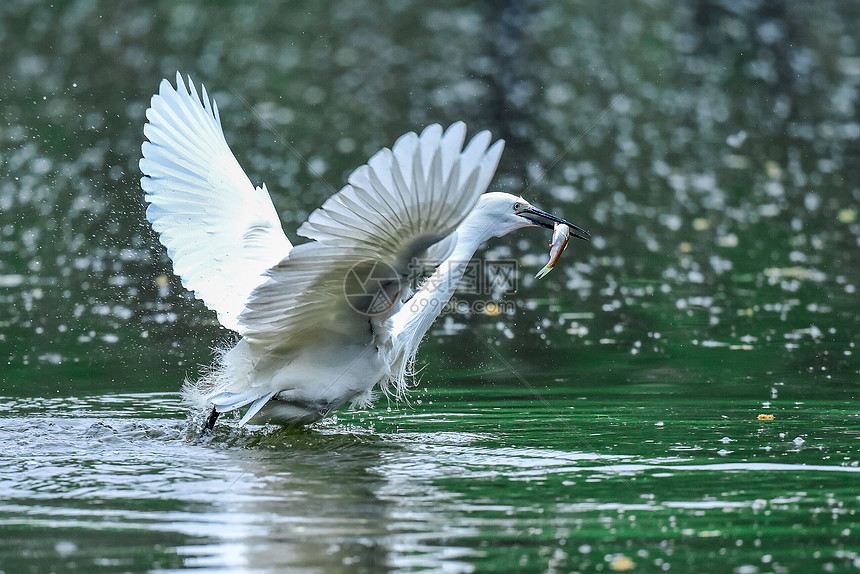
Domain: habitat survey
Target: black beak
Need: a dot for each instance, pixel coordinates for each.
(544, 219)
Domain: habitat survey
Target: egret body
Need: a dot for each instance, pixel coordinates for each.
(324, 322)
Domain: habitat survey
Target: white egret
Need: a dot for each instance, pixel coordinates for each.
(324, 322)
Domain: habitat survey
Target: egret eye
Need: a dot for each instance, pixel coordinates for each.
(517, 206)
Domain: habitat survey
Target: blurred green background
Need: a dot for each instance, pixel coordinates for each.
(711, 148)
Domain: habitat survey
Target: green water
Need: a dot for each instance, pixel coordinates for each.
(617, 419)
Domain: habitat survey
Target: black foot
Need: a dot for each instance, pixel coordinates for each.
(210, 421)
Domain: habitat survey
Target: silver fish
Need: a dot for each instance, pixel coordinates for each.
(560, 237)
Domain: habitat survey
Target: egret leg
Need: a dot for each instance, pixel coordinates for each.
(210, 421)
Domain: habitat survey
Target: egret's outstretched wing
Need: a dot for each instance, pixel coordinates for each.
(221, 232)
(409, 197)
(398, 207)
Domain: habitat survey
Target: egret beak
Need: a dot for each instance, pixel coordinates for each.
(544, 219)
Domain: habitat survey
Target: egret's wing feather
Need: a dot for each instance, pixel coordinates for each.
(221, 232)
(409, 197)
(227, 401)
(402, 207)
(319, 291)
(255, 408)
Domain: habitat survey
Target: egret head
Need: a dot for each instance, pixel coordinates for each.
(506, 213)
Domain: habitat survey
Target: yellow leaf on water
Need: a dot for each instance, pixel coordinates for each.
(701, 224)
(847, 215)
(622, 564)
(491, 309)
(773, 170)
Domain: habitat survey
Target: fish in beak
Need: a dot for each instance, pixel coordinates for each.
(560, 237)
(561, 232)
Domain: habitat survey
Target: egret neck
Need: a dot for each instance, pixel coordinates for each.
(411, 323)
